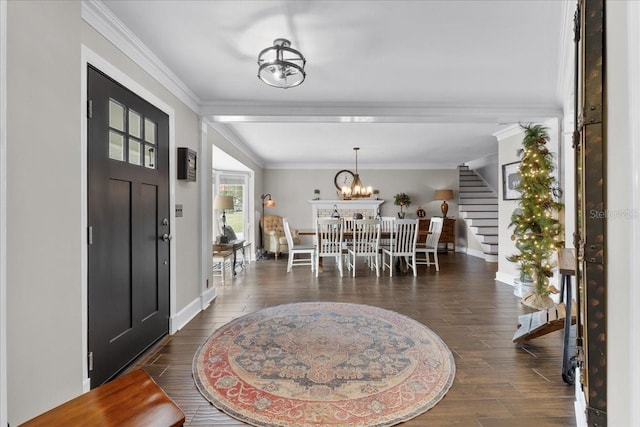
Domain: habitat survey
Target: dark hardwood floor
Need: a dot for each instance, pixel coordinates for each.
(497, 383)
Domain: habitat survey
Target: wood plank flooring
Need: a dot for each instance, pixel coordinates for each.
(497, 383)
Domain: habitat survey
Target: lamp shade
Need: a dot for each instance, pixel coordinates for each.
(267, 201)
(443, 195)
(223, 202)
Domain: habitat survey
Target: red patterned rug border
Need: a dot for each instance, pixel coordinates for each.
(231, 330)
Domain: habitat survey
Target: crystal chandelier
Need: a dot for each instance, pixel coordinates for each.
(281, 65)
(357, 189)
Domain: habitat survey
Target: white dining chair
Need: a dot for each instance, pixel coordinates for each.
(329, 241)
(365, 243)
(403, 244)
(430, 246)
(295, 250)
(386, 227)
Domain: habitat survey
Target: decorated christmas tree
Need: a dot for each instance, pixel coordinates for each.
(536, 229)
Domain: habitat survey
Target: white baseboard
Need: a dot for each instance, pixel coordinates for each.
(86, 385)
(192, 309)
(505, 278)
(479, 254)
(208, 296)
(580, 404)
(184, 316)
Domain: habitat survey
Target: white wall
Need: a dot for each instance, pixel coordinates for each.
(623, 328)
(509, 142)
(488, 168)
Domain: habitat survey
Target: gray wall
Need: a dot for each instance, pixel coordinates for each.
(46, 337)
(44, 238)
(292, 189)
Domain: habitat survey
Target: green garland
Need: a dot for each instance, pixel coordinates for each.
(536, 231)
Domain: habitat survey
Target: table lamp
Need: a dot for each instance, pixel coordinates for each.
(444, 195)
(223, 203)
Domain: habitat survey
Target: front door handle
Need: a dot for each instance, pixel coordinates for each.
(166, 237)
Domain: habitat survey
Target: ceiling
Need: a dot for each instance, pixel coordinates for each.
(414, 84)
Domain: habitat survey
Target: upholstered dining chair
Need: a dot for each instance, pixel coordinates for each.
(296, 249)
(430, 246)
(365, 243)
(329, 240)
(403, 244)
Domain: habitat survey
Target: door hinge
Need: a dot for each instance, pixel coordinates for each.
(90, 359)
(577, 139)
(592, 114)
(90, 235)
(89, 109)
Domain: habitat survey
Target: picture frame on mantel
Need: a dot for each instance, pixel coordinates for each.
(510, 181)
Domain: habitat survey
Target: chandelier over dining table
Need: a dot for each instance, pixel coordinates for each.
(357, 190)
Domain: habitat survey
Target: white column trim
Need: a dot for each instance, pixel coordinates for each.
(88, 56)
(207, 294)
(3, 213)
(633, 21)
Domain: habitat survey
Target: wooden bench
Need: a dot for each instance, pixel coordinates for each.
(133, 399)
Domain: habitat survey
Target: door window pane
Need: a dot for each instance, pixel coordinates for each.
(135, 124)
(149, 131)
(116, 115)
(116, 146)
(135, 152)
(150, 157)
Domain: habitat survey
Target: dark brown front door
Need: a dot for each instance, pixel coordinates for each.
(128, 215)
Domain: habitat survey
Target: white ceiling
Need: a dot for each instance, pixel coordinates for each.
(413, 83)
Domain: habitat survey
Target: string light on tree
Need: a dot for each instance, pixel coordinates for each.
(536, 231)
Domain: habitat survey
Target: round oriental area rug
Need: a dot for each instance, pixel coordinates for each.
(323, 364)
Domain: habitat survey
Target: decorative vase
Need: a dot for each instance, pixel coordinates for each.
(401, 215)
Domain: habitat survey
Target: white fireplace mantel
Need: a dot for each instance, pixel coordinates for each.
(346, 208)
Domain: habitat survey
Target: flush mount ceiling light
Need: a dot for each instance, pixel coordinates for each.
(281, 65)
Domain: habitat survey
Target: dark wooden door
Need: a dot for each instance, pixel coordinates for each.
(128, 215)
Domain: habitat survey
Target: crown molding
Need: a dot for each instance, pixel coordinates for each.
(507, 132)
(235, 140)
(98, 16)
(564, 89)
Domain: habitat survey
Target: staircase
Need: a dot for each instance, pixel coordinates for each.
(478, 206)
